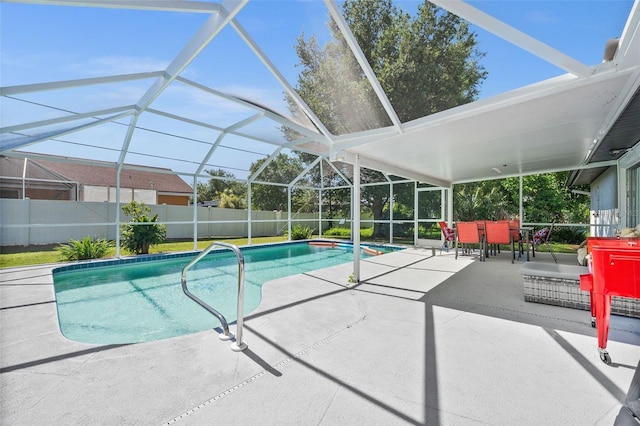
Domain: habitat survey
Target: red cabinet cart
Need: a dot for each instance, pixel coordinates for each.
(615, 271)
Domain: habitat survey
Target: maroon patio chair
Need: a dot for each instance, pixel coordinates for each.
(543, 236)
(449, 236)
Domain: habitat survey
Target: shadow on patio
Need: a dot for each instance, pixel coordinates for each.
(421, 340)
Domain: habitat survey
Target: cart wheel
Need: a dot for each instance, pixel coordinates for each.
(593, 322)
(604, 356)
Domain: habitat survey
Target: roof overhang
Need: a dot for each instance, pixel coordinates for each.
(549, 126)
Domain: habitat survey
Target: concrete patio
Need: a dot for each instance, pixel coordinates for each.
(421, 340)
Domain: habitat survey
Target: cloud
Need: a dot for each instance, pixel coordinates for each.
(114, 65)
(204, 104)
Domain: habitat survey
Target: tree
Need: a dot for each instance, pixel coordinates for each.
(481, 200)
(282, 169)
(223, 186)
(138, 238)
(545, 199)
(230, 200)
(425, 64)
(335, 201)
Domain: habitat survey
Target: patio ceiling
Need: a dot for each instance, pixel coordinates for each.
(552, 126)
(561, 123)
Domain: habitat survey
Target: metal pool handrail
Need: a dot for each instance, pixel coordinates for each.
(238, 345)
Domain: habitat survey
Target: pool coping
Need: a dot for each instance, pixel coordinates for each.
(98, 263)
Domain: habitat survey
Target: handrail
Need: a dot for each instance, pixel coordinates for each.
(238, 345)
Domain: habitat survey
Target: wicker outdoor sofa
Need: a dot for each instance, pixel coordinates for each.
(559, 285)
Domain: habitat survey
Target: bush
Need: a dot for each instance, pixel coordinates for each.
(85, 249)
(568, 235)
(337, 232)
(300, 232)
(365, 233)
(138, 238)
(430, 231)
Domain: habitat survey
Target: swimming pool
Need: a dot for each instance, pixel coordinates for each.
(141, 299)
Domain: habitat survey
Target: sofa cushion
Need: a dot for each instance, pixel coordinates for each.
(554, 270)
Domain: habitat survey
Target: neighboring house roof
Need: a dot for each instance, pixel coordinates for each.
(159, 179)
(14, 168)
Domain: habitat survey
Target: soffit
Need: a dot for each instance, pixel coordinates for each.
(548, 127)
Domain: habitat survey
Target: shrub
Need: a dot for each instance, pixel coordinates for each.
(300, 232)
(337, 232)
(85, 249)
(568, 235)
(366, 232)
(138, 238)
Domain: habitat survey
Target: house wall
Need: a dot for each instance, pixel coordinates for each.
(91, 193)
(108, 193)
(629, 187)
(33, 222)
(174, 200)
(605, 217)
(147, 196)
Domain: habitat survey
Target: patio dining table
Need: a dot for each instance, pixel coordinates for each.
(525, 231)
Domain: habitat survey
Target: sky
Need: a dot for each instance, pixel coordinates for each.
(49, 43)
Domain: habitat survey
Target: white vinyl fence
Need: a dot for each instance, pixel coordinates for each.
(32, 222)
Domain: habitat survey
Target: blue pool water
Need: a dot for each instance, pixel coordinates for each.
(143, 300)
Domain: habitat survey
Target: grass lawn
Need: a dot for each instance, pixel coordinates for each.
(39, 255)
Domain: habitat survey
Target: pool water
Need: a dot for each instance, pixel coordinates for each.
(144, 301)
